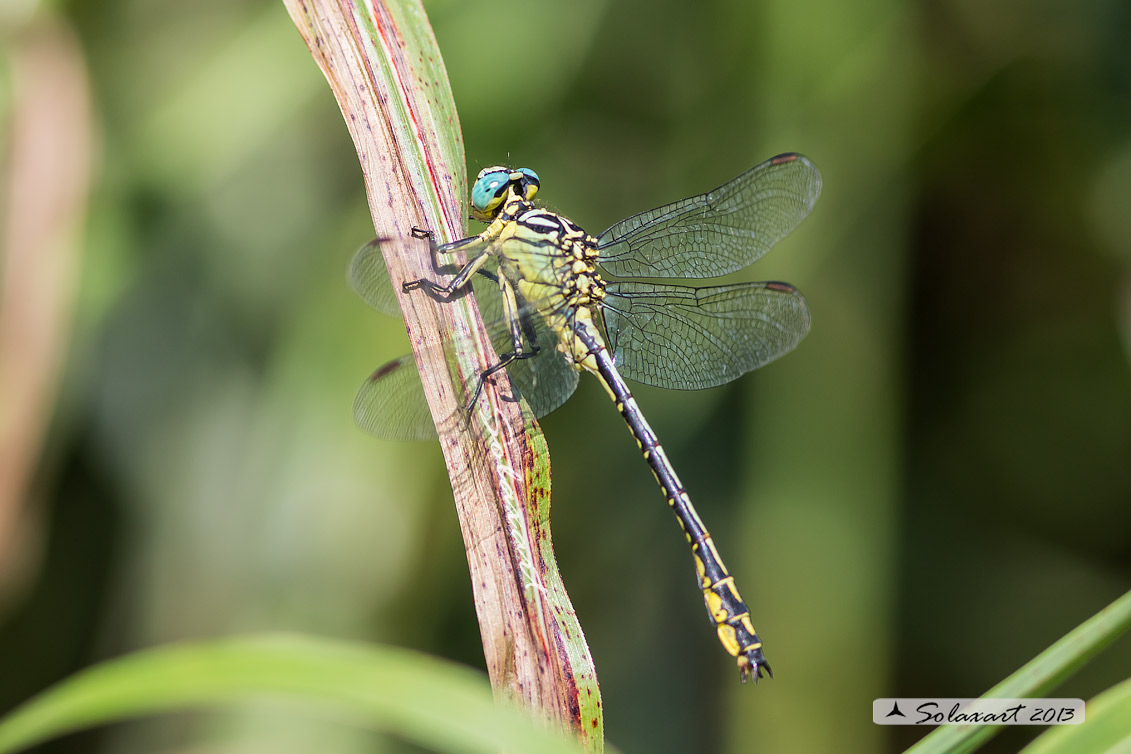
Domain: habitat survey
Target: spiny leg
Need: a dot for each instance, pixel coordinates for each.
(518, 325)
(445, 292)
(436, 250)
(459, 283)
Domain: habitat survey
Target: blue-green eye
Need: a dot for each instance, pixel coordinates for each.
(487, 189)
(527, 182)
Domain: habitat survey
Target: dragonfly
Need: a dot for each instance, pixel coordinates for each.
(560, 302)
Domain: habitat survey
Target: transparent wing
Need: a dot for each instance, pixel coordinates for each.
(718, 232)
(684, 338)
(391, 404)
(368, 275)
(546, 380)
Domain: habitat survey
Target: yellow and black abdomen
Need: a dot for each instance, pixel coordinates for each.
(727, 609)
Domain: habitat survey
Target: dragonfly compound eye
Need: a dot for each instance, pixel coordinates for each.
(528, 182)
(490, 188)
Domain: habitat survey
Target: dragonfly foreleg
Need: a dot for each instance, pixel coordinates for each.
(445, 293)
(437, 250)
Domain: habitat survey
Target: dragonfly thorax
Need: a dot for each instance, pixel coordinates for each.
(556, 254)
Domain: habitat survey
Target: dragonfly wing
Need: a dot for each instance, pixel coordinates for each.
(391, 403)
(684, 338)
(546, 380)
(368, 276)
(718, 232)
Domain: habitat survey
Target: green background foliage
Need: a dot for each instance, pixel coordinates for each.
(931, 490)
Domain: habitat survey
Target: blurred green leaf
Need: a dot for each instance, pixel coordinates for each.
(1106, 728)
(417, 697)
(1038, 676)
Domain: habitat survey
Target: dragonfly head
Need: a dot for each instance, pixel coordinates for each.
(494, 187)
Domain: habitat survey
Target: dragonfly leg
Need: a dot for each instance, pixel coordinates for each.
(433, 249)
(519, 325)
(455, 245)
(445, 293)
(439, 249)
(505, 360)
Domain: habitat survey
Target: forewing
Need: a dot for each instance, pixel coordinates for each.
(368, 275)
(718, 232)
(391, 403)
(684, 338)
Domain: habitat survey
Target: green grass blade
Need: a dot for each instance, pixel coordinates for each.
(1106, 728)
(1037, 677)
(416, 697)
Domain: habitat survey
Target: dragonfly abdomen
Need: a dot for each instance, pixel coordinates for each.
(725, 606)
